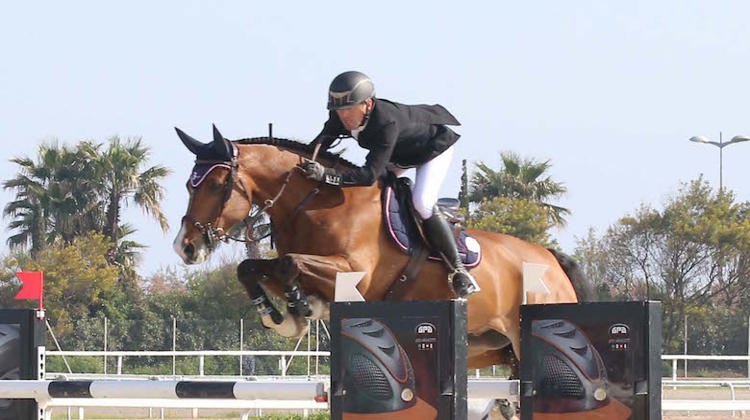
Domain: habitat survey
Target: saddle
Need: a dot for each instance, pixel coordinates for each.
(403, 227)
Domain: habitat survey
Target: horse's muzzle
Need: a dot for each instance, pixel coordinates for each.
(192, 250)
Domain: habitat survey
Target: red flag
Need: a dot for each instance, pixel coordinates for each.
(33, 285)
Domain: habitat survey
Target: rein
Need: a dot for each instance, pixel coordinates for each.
(250, 220)
(212, 235)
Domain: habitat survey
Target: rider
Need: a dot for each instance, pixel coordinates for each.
(398, 137)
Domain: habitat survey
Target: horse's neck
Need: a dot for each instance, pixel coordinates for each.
(270, 167)
(302, 206)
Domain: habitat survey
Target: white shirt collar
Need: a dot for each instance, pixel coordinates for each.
(356, 131)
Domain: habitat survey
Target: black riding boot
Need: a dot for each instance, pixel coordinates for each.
(439, 236)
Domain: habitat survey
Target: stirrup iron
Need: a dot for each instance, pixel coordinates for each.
(463, 290)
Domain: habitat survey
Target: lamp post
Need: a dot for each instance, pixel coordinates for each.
(721, 145)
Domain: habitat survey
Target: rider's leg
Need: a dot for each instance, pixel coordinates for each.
(428, 180)
(440, 237)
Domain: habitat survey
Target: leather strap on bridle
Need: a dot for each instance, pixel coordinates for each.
(213, 235)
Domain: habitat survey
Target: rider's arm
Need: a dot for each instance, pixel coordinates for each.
(332, 130)
(375, 162)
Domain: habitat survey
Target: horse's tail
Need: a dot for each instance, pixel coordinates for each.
(583, 287)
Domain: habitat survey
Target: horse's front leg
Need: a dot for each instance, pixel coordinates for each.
(252, 274)
(306, 281)
(309, 282)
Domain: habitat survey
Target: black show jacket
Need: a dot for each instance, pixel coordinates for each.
(403, 135)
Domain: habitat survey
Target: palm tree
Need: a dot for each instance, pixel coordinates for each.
(519, 178)
(119, 179)
(30, 222)
(126, 253)
(70, 192)
(30, 209)
(49, 204)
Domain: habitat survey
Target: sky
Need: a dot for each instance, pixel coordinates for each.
(608, 92)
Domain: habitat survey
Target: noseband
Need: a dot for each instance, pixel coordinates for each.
(212, 234)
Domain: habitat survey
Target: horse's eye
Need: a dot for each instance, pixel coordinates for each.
(216, 186)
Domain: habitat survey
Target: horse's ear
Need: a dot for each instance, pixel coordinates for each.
(222, 146)
(192, 144)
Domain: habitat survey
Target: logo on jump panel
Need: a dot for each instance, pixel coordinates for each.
(619, 337)
(425, 336)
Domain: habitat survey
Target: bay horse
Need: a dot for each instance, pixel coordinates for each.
(320, 230)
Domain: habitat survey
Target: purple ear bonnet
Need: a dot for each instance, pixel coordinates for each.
(201, 171)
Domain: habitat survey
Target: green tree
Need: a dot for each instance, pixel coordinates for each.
(68, 192)
(592, 257)
(206, 287)
(78, 281)
(513, 216)
(119, 177)
(50, 204)
(692, 255)
(126, 253)
(519, 178)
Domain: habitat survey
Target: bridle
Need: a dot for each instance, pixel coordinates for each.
(212, 235)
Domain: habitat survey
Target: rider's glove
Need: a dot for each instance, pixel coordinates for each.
(312, 170)
(315, 171)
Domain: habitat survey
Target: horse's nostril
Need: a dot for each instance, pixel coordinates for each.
(189, 250)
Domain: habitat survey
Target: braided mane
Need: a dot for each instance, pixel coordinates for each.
(297, 148)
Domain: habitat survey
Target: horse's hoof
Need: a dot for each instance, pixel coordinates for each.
(507, 410)
(305, 312)
(291, 327)
(297, 303)
(299, 308)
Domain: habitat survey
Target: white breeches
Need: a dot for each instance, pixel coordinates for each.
(427, 182)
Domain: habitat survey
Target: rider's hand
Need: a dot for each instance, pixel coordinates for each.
(312, 169)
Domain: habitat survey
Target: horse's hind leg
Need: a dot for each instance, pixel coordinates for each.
(501, 357)
(505, 357)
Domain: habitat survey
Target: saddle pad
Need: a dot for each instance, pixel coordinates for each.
(402, 229)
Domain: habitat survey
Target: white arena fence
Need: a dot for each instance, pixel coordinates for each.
(285, 358)
(685, 358)
(311, 357)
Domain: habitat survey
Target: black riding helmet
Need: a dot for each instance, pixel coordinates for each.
(570, 379)
(379, 376)
(350, 88)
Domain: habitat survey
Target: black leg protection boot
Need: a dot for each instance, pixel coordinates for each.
(439, 236)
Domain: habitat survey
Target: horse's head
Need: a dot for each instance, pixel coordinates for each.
(219, 198)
